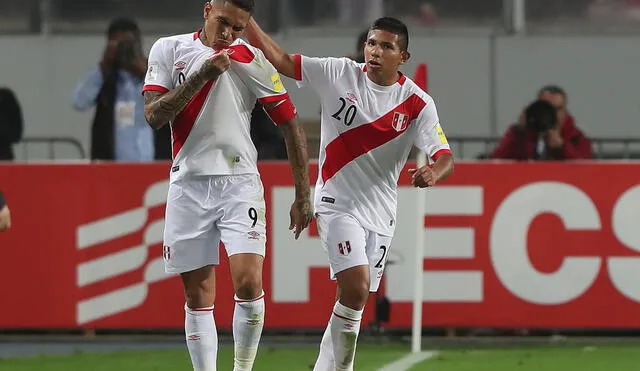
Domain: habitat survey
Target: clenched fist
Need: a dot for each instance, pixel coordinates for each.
(423, 177)
(215, 66)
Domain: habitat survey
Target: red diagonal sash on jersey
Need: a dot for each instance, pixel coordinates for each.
(183, 123)
(354, 143)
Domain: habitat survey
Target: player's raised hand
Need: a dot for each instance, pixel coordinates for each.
(423, 177)
(216, 65)
(301, 214)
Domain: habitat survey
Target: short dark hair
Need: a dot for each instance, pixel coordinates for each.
(553, 89)
(395, 26)
(122, 25)
(540, 116)
(247, 5)
(362, 40)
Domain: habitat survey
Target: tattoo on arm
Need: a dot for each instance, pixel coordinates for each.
(160, 108)
(296, 142)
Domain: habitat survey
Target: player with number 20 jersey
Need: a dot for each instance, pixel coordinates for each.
(372, 115)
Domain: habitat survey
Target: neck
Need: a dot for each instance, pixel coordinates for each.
(203, 37)
(382, 79)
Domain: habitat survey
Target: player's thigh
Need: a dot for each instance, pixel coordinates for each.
(243, 226)
(377, 253)
(344, 240)
(190, 237)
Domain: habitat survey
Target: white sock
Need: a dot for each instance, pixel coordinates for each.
(345, 326)
(248, 320)
(202, 338)
(325, 361)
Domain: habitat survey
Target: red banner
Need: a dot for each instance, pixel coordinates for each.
(507, 245)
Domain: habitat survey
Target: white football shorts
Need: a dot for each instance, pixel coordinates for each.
(349, 245)
(206, 210)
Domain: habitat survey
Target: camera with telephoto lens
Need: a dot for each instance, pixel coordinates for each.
(540, 117)
(125, 53)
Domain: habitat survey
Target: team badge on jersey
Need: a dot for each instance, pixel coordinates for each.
(441, 136)
(277, 82)
(344, 248)
(400, 121)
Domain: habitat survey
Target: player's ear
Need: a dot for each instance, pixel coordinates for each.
(207, 9)
(405, 56)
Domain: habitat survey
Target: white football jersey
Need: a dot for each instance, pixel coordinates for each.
(211, 135)
(367, 133)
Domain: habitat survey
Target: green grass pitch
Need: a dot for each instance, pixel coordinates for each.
(369, 358)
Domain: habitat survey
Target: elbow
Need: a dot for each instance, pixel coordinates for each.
(152, 119)
(155, 124)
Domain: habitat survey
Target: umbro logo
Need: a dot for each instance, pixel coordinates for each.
(352, 98)
(180, 65)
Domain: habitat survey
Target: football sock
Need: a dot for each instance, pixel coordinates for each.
(202, 338)
(345, 326)
(248, 320)
(325, 361)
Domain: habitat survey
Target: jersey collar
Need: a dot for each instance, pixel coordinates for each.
(401, 80)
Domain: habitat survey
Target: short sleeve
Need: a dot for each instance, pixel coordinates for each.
(312, 71)
(260, 76)
(158, 77)
(430, 137)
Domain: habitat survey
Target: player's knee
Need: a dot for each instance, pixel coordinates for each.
(199, 288)
(355, 294)
(249, 286)
(198, 297)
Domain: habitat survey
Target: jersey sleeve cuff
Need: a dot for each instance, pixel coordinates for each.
(157, 88)
(440, 152)
(273, 98)
(297, 60)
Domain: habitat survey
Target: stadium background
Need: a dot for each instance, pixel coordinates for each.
(486, 60)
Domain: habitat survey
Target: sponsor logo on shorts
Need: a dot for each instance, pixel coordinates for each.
(344, 248)
(329, 200)
(253, 235)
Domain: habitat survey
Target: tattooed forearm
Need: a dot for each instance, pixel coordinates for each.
(296, 142)
(160, 108)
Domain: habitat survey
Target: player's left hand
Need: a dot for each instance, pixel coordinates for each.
(423, 177)
(301, 215)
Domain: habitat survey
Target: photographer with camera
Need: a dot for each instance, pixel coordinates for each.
(545, 131)
(120, 131)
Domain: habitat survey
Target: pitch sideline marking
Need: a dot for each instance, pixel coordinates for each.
(405, 363)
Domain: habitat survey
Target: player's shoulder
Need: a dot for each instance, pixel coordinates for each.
(413, 89)
(243, 52)
(175, 40)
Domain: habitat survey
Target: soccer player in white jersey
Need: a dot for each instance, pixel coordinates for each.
(372, 115)
(206, 84)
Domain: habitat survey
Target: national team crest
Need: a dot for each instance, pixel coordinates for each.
(400, 121)
(344, 248)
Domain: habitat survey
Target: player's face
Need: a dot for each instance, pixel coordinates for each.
(224, 23)
(559, 102)
(383, 53)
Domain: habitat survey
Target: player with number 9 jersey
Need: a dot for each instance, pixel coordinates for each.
(372, 116)
(205, 84)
